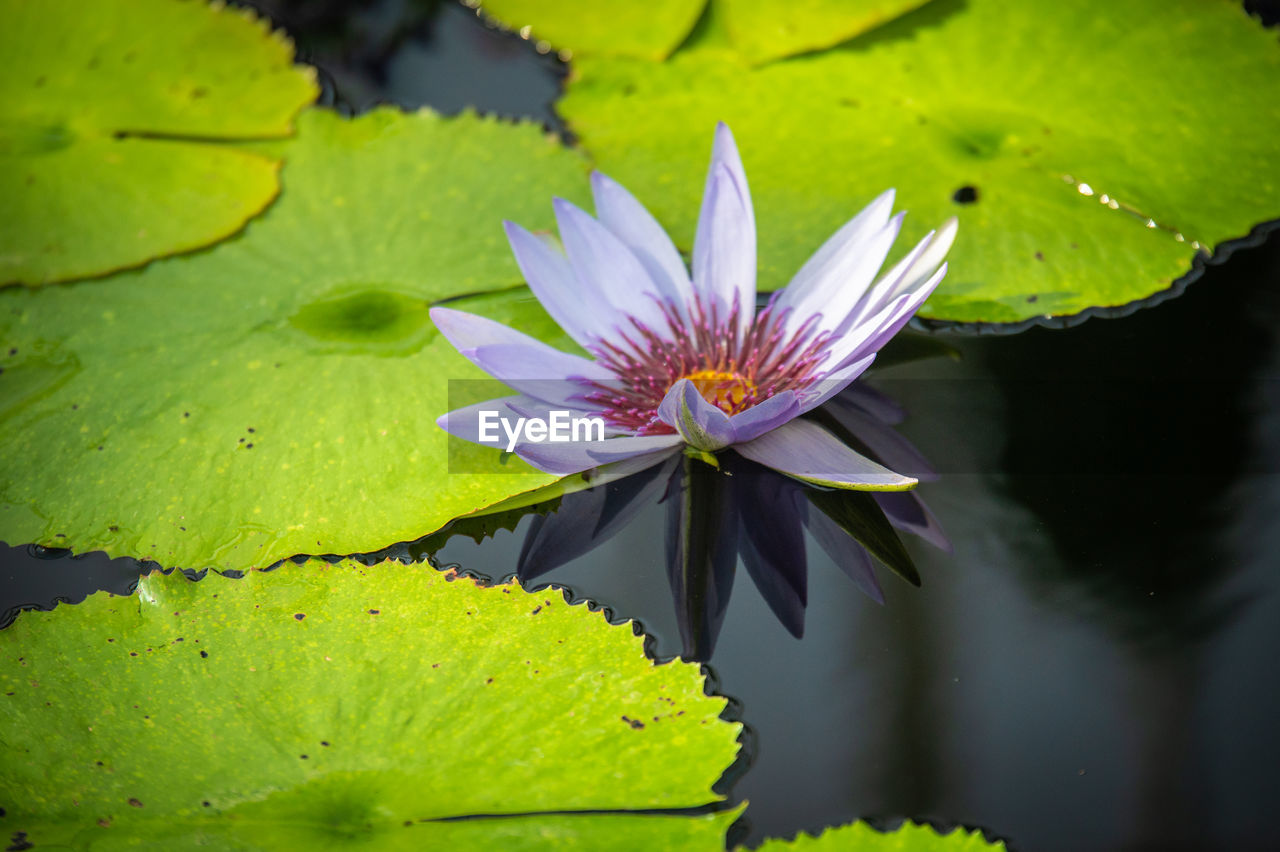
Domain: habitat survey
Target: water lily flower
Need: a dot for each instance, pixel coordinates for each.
(686, 362)
(746, 513)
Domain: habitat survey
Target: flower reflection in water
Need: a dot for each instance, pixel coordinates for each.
(741, 510)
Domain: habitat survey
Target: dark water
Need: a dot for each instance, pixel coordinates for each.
(1095, 665)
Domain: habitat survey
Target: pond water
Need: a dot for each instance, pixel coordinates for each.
(1092, 667)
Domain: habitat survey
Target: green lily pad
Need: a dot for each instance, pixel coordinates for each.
(278, 393)
(909, 838)
(324, 705)
(763, 30)
(650, 30)
(1088, 152)
(112, 119)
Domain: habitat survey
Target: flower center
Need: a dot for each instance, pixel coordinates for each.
(726, 391)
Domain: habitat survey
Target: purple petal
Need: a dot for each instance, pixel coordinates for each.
(584, 521)
(911, 275)
(907, 512)
(851, 557)
(550, 276)
(858, 273)
(833, 383)
(724, 248)
(888, 446)
(891, 284)
(630, 222)
(603, 263)
(770, 414)
(877, 331)
(701, 424)
(835, 278)
(577, 456)
(465, 423)
(511, 352)
(873, 403)
(538, 373)
(809, 452)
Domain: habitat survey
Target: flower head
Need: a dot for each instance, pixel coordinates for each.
(687, 360)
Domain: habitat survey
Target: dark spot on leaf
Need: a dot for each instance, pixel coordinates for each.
(135, 803)
(433, 665)
(186, 414)
(965, 195)
(100, 763)
(113, 529)
(536, 610)
(204, 804)
(324, 743)
(635, 723)
(248, 446)
(299, 615)
(374, 611)
(204, 653)
(251, 429)
(75, 407)
(489, 680)
(1033, 298)
(199, 92)
(19, 842)
(1039, 255)
(104, 823)
(133, 653)
(303, 756)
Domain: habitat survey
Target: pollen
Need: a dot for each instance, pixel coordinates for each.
(726, 391)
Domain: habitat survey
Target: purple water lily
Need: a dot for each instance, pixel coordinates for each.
(745, 512)
(682, 361)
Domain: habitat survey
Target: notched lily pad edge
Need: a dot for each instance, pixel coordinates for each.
(942, 828)
(217, 239)
(1257, 236)
(404, 554)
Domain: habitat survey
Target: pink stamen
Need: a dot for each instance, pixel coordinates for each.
(767, 361)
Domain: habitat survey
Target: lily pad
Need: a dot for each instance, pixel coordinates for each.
(909, 838)
(1090, 149)
(277, 394)
(763, 30)
(650, 30)
(113, 121)
(324, 705)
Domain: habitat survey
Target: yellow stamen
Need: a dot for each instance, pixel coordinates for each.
(725, 391)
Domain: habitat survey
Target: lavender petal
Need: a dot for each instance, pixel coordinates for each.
(807, 451)
(550, 276)
(828, 271)
(600, 258)
(767, 415)
(850, 556)
(724, 247)
(701, 424)
(575, 457)
(629, 221)
(907, 512)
